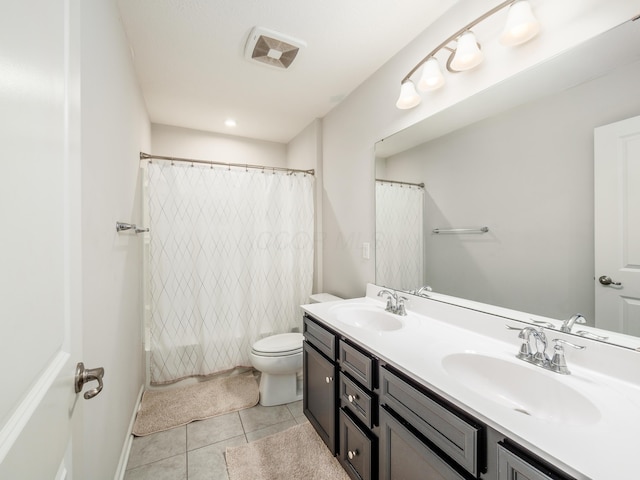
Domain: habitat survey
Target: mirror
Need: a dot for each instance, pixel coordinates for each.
(518, 161)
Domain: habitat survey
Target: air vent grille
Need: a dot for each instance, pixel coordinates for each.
(272, 48)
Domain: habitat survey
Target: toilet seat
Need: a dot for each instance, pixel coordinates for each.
(281, 345)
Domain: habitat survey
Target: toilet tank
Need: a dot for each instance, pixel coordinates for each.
(323, 297)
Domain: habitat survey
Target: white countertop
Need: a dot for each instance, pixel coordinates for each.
(607, 448)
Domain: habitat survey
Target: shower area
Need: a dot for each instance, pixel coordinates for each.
(399, 234)
(229, 258)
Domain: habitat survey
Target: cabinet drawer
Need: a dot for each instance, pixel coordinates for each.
(356, 400)
(321, 338)
(357, 449)
(513, 464)
(359, 365)
(454, 435)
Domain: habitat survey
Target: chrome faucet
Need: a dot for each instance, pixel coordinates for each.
(567, 325)
(556, 364)
(540, 358)
(421, 291)
(395, 303)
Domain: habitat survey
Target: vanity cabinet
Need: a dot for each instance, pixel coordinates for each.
(384, 425)
(320, 381)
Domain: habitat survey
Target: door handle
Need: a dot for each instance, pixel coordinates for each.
(84, 375)
(606, 280)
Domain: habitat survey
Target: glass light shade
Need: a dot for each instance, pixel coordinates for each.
(431, 77)
(409, 97)
(467, 55)
(521, 25)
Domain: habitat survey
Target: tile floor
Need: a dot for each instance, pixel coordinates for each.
(196, 451)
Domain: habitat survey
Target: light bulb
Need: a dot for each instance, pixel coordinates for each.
(467, 55)
(521, 25)
(431, 77)
(409, 97)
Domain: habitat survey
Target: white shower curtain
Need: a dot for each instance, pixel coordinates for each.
(231, 260)
(399, 235)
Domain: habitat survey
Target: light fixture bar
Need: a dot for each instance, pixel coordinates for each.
(450, 39)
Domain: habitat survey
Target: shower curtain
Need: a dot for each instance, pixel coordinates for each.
(231, 260)
(399, 235)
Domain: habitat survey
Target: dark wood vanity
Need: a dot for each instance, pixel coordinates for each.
(381, 424)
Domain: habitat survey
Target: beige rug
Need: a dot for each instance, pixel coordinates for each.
(295, 454)
(164, 409)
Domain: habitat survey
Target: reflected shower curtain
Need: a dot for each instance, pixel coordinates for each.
(399, 236)
(231, 260)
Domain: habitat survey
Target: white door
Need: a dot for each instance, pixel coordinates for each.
(39, 238)
(617, 226)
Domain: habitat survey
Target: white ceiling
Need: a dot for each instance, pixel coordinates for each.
(189, 58)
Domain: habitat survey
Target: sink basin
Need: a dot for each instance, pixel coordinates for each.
(522, 388)
(368, 317)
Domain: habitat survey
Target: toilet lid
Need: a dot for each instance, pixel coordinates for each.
(284, 343)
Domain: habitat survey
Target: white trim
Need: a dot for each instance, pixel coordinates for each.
(126, 447)
(25, 410)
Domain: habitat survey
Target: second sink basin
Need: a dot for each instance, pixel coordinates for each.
(367, 317)
(521, 388)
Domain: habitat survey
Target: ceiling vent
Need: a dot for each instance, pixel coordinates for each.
(272, 48)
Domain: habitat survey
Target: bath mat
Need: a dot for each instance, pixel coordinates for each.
(294, 454)
(164, 409)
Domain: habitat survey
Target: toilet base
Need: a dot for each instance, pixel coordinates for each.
(278, 389)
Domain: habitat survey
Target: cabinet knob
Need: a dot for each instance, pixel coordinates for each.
(352, 454)
(328, 379)
(352, 398)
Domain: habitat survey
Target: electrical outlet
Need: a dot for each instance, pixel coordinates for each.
(366, 250)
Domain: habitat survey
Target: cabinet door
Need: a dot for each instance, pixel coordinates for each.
(513, 465)
(404, 456)
(320, 394)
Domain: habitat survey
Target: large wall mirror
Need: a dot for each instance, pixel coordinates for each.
(520, 162)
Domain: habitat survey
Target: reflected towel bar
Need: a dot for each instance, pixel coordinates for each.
(461, 230)
(121, 226)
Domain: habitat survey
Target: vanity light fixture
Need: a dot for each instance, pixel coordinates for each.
(521, 27)
(230, 122)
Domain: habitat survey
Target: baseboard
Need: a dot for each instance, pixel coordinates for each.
(126, 447)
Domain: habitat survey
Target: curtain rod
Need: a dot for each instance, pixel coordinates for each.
(146, 156)
(421, 185)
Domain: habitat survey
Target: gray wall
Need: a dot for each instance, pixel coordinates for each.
(188, 143)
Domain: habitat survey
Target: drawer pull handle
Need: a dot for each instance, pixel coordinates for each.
(352, 454)
(352, 398)
(328, 379)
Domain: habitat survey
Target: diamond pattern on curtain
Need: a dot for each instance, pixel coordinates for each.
(399, 236)
(231, 260)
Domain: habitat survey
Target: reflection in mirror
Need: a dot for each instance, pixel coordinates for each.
(399, 234)
(527, 174)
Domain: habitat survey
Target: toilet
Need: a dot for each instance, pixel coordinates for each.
(279, 359)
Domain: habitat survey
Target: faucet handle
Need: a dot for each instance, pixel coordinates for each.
(558, 362)
(540, 323)
(559, 342)
(525, 349)
(400, 308)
